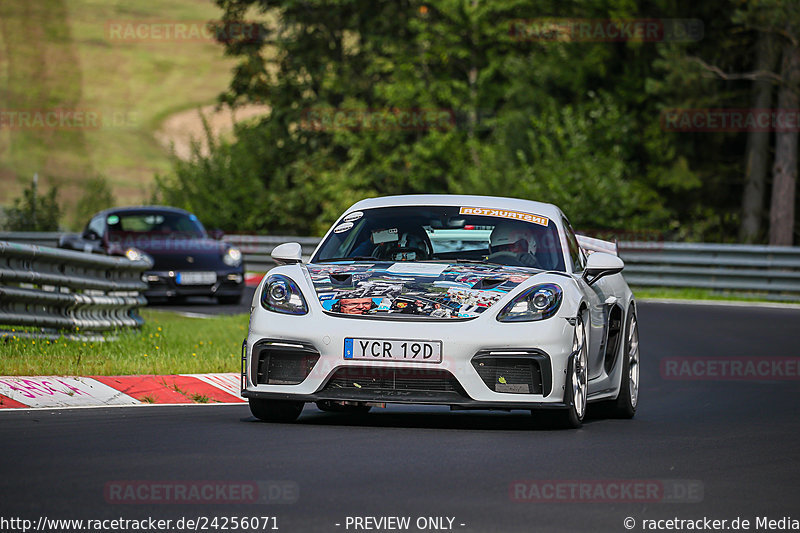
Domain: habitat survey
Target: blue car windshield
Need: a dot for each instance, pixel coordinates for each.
(154, 223)
(445, 234)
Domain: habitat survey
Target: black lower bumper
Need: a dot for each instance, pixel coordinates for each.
(162, 285)
(453, 399)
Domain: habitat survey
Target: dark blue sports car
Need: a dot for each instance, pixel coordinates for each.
(187, 261)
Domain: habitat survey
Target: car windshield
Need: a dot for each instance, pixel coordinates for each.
(445, 234)
(154, 223)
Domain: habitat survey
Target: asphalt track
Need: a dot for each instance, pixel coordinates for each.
(200, 305)
(739, 439)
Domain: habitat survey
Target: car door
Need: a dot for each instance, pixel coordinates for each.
(595, 296)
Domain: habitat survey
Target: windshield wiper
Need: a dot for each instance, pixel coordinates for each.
(354, 258)
(446, 260)
(471, 261)
(476, 262)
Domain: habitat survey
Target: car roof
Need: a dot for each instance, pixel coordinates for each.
(461, 200)
(143, 208)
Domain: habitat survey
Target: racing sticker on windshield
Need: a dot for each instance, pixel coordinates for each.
(352, 217)
(385, 235)
(503, 213)
(341, 228)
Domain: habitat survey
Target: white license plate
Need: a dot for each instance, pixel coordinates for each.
(196, 278)
(408, 351)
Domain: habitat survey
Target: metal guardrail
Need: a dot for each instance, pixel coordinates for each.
(773, 271)
(257, 248)
(41, 238)
(65, 290)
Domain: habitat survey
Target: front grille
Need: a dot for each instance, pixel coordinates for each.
(177, 261)
(516, 375)
(381, 379)
(283, 365)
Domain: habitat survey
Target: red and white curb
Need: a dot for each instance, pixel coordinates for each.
(93, 391)
(252, 279)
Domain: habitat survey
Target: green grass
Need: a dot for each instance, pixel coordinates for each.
(167, 344)
(702, 294)
(59, 54)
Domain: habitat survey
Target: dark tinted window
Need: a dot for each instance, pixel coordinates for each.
(575, 253)
(154, 222)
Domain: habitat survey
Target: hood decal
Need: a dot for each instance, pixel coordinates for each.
(432, 290)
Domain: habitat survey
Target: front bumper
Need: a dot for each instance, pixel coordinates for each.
(163, 284)
(464, 344)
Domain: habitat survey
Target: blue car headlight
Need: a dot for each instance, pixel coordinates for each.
(537, 303)
(282, 295)
(134, 254)
(232, 257)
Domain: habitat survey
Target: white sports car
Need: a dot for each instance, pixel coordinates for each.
(473, 302)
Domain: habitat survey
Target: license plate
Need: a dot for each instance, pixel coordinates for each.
(196, 278)
(409, 351)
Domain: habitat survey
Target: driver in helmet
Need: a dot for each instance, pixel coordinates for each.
(513, 244)
(409, 244)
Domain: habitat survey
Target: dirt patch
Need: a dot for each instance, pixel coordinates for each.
(181, 129)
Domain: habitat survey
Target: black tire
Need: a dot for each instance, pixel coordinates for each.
(576, 387)
(627, 401)
(330, 406)
(275, 410)
(229, 299)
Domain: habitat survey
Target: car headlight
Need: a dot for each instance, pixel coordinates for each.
(136, 255)
(232, 257)
(537, 303)
(282, 295)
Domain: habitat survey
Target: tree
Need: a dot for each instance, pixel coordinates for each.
(96, 196)
(568, 121)
(776, 23)
(34, 212)
(757, 155)
(784, 171)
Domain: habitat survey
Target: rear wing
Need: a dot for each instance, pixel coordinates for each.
(591, 245)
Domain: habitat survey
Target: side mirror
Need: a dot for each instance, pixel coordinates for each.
(216, 234)
(601, 264)
(288, 253)
(91, 235)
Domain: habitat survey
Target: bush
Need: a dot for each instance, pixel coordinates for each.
(34, 212)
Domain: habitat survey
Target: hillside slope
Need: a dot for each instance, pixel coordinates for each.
(59, 57)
